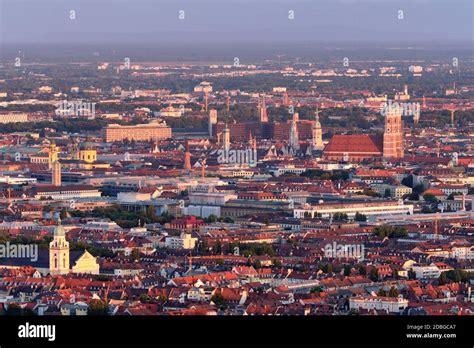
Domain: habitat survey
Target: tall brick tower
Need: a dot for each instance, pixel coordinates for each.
(187, 157)
(262, 109)
(56, 174)
(393, 134)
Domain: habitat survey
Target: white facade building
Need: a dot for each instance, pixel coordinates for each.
(389, 304)
(426, 272)
(184, 241)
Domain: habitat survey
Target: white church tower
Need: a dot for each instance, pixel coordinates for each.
(317, 134)
(59, 252)
(293, 137)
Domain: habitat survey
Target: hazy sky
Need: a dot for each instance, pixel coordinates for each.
(124, 21)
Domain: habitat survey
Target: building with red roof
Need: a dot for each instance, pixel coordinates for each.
(354, 148)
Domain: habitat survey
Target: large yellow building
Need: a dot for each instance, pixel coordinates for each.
(88, 155)
(85, 152)
(139, 132)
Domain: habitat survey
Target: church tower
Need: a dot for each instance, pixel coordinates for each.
(262, 109)
(75, 150)
(317, 134)
(226, 138)
(212, 120)
(294, 138)
(56, 174)
(187, 157)
(52, 155)
(59, 252)
(393, 134)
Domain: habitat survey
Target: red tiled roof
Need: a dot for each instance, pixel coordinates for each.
(355, 143)
(434, 192)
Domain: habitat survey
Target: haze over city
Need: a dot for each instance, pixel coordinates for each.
(443, 22)
(309, 160)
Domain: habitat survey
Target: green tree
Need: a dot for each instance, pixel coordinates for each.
(390, 231)
(418, 188)
(455, 276)
(371, 193)
(408, 181)
(316, 290)
(211, 218)
(150, 212)
(135, 254)
(258, 264)
(340, 216)
(374, 274)
(98, 307)
(218, 247)
(15, 310)
(393, 292)
(219, 301)
(277, 263)
(443, 278)
(430, 198)
(360, 217)
(63, 214)
(144, 298)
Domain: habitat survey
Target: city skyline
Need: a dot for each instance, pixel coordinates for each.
(203, 171)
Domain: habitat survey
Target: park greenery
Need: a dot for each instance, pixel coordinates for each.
(125, 218)
(390, 231)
